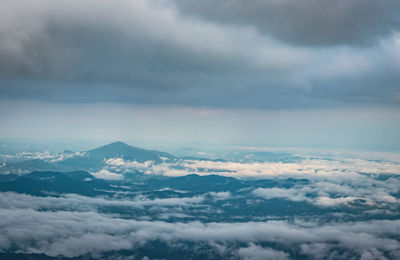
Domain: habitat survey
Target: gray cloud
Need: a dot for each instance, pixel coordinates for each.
(56, 233)
(310, 22)
(254, 252)
(74, 202)
(148, 52)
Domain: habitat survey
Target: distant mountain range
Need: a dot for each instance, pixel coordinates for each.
(95, 159)
(91, 160)
(127, 152)
(27, 166)
(47, 182)
(42, 183)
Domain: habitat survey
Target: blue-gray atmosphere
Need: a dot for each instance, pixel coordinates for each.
(214, 129)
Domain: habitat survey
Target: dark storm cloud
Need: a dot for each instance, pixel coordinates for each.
(305, 22)
(149, 52)
(133, 51)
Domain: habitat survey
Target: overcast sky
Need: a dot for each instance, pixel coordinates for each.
(260, 72)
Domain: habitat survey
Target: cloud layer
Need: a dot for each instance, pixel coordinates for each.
(193, 54)
(316, 167)
(80, 233)
(326, 206)
(310, 22)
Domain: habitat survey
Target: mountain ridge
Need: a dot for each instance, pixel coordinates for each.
(89, 160)
(122, 150)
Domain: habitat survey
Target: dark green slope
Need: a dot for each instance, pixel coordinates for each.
(43, 183)
(28, 166)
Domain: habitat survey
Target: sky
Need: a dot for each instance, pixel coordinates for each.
(312, 73)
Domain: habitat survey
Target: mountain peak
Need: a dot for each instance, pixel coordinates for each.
(115, 146)
(117, 143)
(122, 150)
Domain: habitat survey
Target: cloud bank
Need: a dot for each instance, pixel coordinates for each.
(309, 22)
(56, 233)
(258, 54)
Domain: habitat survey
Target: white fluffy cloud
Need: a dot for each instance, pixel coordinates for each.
(326, 201)
(289, 194)
(323, 168)
(77, 233)
(9, 200)
(222, 195)
(107, 175)
(254, 252)
(333, 195)
(331, 182)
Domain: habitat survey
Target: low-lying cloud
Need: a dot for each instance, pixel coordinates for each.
(107, 175)
(73, 202)
(57, 233)
(323, 168)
